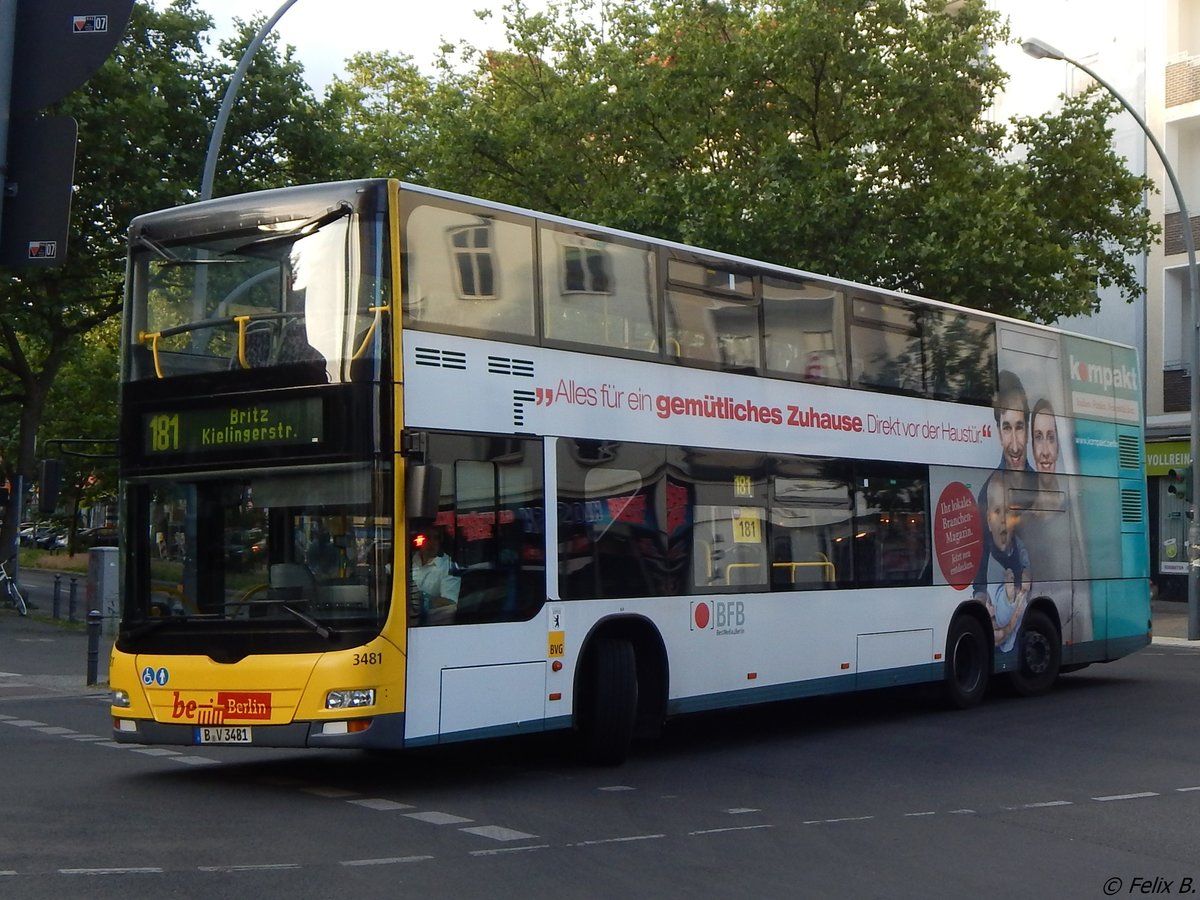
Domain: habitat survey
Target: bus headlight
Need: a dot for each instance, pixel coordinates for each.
(121, 699)
(353, 699)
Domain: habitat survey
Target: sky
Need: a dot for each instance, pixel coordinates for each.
(326, 32)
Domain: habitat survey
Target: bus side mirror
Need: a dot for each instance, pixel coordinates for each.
(424, 491)
(49, 483)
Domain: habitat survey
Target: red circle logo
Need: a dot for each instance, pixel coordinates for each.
(701, 615)
(958, 535)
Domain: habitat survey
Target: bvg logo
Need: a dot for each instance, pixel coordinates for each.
(229, 706)
(721, 616)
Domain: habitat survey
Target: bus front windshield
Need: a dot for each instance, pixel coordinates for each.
(262, 554)
(262, 299)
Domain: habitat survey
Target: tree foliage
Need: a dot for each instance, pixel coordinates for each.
(144, 123)
(849, 137)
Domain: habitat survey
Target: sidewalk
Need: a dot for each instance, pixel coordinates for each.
(38, 655)
(1171, 622)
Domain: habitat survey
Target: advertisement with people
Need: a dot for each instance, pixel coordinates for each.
(1046, 519)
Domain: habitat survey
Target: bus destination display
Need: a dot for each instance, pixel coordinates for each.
(258, 425)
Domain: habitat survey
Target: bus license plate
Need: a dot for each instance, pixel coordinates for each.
(223, 735)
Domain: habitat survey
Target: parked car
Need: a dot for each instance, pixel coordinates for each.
(44, 537)
(103, 536)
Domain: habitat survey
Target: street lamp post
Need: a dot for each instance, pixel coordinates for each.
(1041, 50)
(214, 143)
(200, 289)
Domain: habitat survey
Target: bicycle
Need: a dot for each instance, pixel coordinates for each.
(12, 593)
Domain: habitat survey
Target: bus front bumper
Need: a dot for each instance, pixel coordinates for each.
(382, 731)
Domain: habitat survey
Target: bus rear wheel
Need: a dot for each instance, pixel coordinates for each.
(609, 703)
(968, 663)
(1039, 655)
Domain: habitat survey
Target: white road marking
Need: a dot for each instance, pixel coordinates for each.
(380, 803)
(498, 850)
(618, 840)
(835, 821)
(196, 760)
(386, 861)
(730, 828)
(333, 793)
(437, 818)
(1137, 796)
(498, 833)
(126, 870)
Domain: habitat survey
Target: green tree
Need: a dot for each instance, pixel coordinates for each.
(848, 137)
(144, 123)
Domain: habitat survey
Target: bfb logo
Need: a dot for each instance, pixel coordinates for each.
(721, 615)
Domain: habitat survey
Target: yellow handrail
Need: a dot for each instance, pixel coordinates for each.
(362, 349)
(242, 322)
(830, 569)
(731, 566)
(152, 337)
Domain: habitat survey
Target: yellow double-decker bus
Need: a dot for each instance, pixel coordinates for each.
(402, 467)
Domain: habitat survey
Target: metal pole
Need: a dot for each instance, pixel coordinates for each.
(93, 646)
(214, 143)
(1041, 50)
(200, 289)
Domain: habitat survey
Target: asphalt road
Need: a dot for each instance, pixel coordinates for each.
(1091, 791)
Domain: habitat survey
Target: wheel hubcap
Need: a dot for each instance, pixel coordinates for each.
(966, 664)
(1037, 653)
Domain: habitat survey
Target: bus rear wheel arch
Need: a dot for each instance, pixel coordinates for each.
(620, 690)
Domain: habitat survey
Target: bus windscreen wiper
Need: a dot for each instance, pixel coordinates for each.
(302, 230)
(323, 630)
(172, 259)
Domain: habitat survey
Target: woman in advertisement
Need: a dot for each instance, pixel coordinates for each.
(1050, 526)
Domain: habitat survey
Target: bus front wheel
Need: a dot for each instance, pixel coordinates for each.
(1039, 655)
(609, 704)
(968, 663)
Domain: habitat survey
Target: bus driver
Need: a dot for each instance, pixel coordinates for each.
(434, 584)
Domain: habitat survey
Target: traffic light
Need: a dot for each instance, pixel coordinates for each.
(50, 47)
(49, 481)
(1179, 483)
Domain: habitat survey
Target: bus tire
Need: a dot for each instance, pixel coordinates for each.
(1039, 655)
(610, 702)
(968, 663)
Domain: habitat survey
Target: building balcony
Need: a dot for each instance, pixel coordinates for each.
(1172, 237)
(1183, 80)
